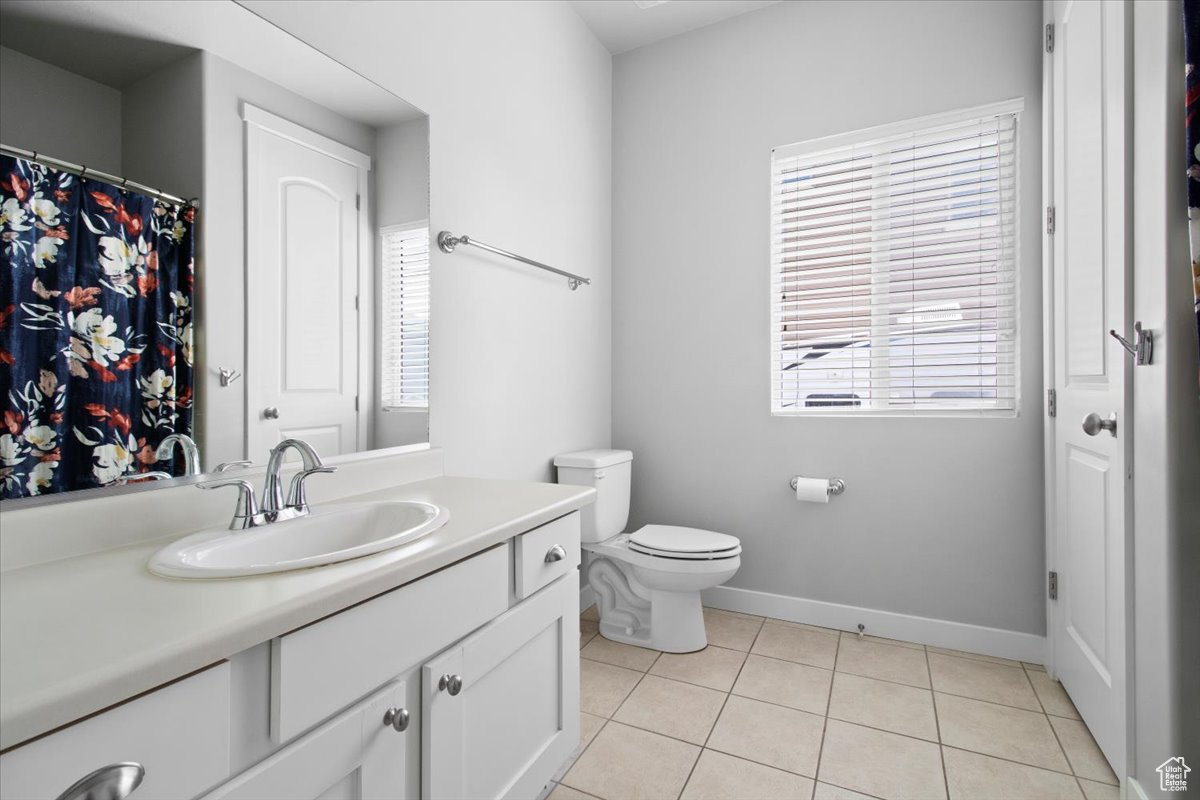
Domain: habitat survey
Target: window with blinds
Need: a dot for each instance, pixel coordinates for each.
(404, 373)
(894, 268)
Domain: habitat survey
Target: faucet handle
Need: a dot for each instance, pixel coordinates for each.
(296, 497)
(225, 466)
(247, 507)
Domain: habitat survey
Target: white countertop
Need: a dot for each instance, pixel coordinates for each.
(83, 633)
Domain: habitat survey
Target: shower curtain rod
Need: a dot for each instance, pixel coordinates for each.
(82, 170)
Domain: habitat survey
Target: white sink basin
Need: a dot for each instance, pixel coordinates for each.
(329, 534)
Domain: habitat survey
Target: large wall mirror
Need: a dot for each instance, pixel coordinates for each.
(214, 237)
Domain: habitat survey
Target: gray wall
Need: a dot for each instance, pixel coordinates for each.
(1165, 699)
(58, 113)
(161, 121)
(942, 518)
(520, 151)
(222, 279)
(401, 196)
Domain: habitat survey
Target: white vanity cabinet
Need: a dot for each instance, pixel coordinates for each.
(359, 755)
(463, 683)
(179, 734)
(500, 710)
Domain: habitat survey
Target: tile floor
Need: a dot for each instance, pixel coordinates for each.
(778, 710)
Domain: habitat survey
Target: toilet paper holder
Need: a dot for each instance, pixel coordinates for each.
(836, 486)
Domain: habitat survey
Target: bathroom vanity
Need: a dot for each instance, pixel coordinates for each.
(447, 668)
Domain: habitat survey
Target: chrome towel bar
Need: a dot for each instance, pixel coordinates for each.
(448, 241)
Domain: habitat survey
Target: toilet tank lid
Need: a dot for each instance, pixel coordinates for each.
(593, 459)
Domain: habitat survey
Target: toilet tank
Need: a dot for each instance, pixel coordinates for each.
(608, 471)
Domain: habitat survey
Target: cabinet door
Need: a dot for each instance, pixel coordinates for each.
(515, 719)
(354, 756)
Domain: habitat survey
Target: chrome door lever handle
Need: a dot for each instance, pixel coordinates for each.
(1142, 346)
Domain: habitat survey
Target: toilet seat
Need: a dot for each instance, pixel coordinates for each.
(676, 542)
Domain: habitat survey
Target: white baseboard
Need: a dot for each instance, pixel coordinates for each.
(587, 598)
(922, 630)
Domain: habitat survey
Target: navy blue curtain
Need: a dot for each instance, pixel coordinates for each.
(95, 329)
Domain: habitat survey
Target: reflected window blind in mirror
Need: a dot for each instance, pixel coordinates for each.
(404, 377)
(894, 269)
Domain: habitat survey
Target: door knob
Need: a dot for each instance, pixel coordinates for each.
(271, 412)
(556, 553)
(114, 782)
(451, 684)
(1093, 424)
(397, 718)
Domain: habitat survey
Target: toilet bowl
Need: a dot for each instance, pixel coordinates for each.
(647, 583)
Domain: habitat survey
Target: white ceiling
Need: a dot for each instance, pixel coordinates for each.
(621, 25)
(117, 42)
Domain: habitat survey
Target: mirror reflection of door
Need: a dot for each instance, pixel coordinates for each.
(303, 233)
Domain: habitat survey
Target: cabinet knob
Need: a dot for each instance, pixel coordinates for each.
(271, 412)
(114, 782)
(397, 718)
(451, 684)
(556, 553)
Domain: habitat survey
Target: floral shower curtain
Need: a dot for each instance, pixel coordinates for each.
(95, 329)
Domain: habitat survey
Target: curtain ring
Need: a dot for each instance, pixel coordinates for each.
(83, 170)
(124, 181)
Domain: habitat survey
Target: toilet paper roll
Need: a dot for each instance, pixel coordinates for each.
(812, 490)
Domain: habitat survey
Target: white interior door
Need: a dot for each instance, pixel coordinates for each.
(1091, 371)
(302, 244)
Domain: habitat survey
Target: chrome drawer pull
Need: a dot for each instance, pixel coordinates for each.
(397, 718)
(114, 782)
(556, 553)
(451, 684)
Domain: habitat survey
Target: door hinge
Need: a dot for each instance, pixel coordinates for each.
(1050, 38)
(356, 302)
(358, 202)
(356, 402)
(1051, 403)
(1049, 219)
(1052, 585)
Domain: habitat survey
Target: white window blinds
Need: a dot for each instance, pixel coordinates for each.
(894, 268)
(405, 317)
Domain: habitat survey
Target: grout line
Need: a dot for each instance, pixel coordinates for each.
(937, 726)
(1037, 696)
(720, 711)
(994, 703)
(825, 722)
(1066, 757)
(1010, 761)
(847, 788)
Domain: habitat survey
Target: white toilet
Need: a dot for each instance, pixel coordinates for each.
(647, 583)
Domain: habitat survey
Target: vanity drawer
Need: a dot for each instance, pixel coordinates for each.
(179, 734)
(537, 560)
(324, 667)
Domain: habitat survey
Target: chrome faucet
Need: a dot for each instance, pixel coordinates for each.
(275, 508)
(187, 446)
(296, 505)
